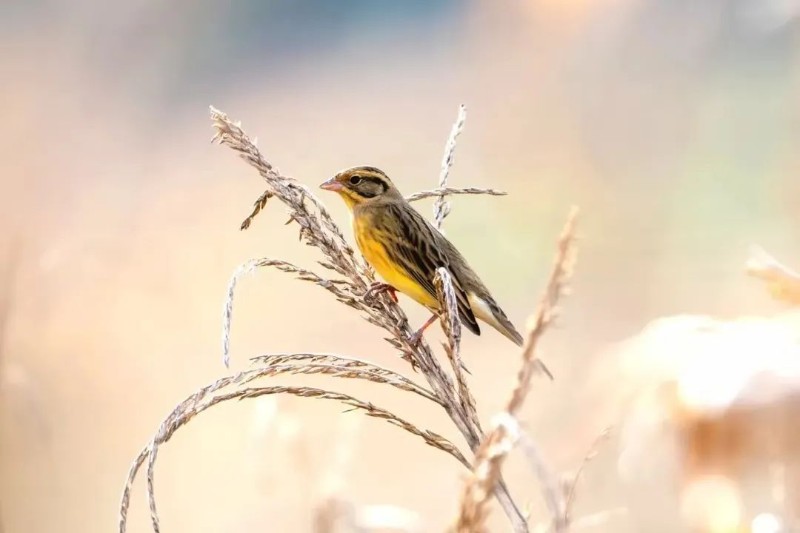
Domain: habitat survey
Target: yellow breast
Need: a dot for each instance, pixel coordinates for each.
(370, 242)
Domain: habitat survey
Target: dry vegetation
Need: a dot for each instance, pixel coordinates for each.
(350, 281)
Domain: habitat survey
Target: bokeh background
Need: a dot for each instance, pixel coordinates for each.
(674, 124)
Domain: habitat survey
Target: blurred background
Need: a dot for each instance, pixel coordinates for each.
(673, 124)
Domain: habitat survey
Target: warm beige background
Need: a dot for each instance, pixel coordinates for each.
(674, 126)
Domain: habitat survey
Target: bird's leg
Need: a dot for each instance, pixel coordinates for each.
(417, 336)
(377, 288)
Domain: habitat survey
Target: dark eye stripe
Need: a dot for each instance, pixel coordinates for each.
(376, 180)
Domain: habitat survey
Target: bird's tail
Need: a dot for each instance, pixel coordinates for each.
(488, 311)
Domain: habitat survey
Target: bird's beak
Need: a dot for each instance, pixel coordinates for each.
(332, 185)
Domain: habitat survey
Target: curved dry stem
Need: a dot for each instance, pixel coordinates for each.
(194, 405)
(431, 438)
(125, 501)
(152, 453)
(450, 191)
(341, 289)
(341, 372)
(335, 365)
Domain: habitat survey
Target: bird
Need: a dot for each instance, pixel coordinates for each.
(406, 250)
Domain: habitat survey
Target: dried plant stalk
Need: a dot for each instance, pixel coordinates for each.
(342, 290)
(782, 282)
(441, 208)
(431, 438)
(452, 329)
(343, 372)
(493, 450)
(449, 191)
(547, 310)
(337, 366)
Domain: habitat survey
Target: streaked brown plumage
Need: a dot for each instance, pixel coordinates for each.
(405, 249)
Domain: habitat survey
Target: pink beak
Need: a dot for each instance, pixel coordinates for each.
(332, 185)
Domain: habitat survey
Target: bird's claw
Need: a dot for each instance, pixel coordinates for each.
(377, 288)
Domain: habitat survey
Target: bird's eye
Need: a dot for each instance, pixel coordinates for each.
(355, 180)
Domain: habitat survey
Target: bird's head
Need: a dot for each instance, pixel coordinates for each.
(360, 185)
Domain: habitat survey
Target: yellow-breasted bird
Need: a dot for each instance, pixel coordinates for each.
(405, 249)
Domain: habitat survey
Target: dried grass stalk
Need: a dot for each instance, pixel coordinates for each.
(449, 191)
(782, 282)
(342, 290)
(493, 450)
(337, 366)
(452, 329)
(342, 372)
(441, 208)
(547, 310)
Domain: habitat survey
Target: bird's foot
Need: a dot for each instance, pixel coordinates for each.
(416, 337)
(378, 288)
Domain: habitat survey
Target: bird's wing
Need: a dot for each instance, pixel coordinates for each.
(420, 250)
